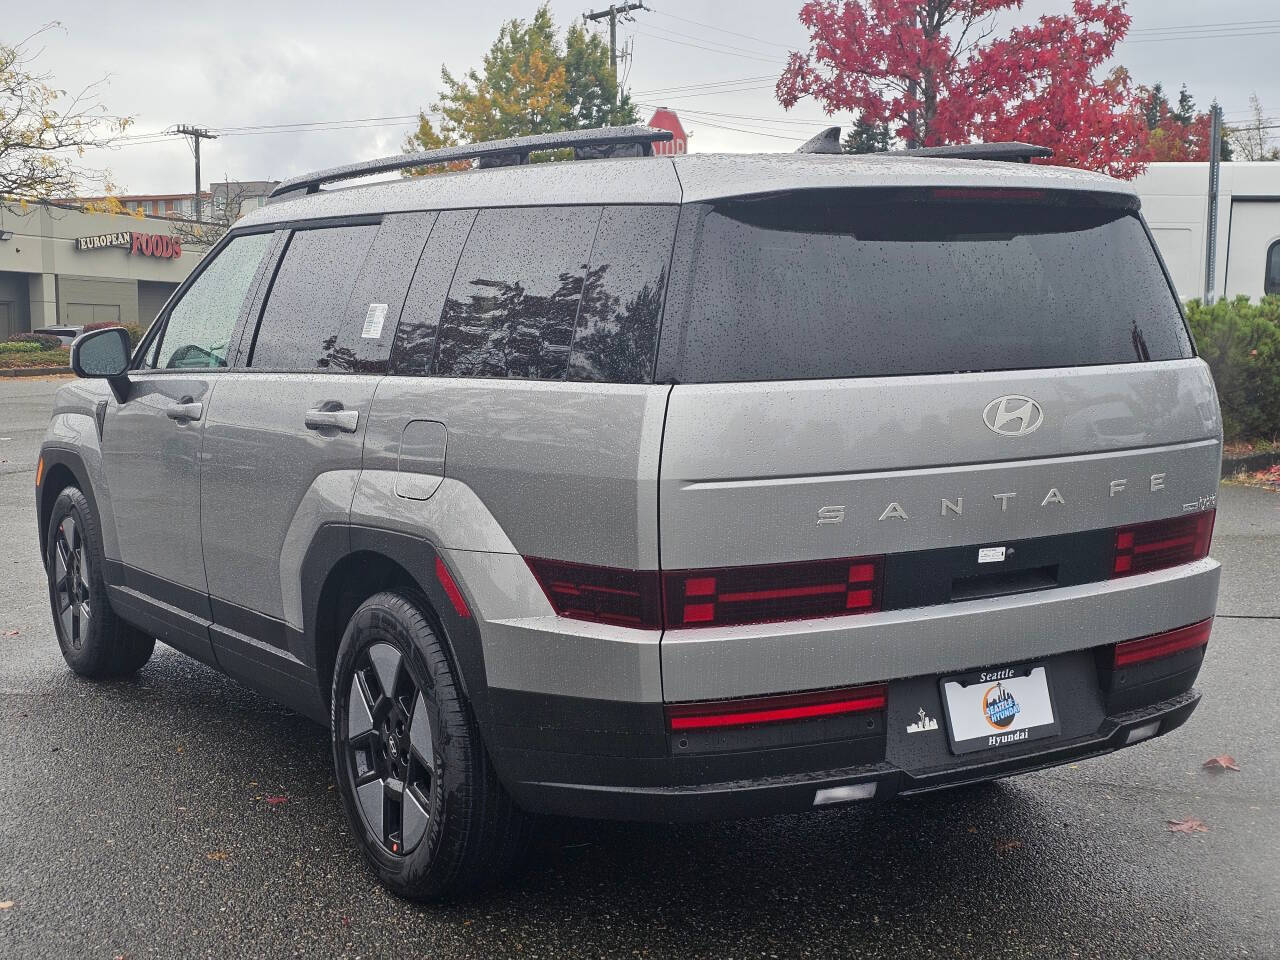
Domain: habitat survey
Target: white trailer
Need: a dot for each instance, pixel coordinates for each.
(1175, 203)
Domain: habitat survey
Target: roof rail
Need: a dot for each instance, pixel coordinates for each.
(1013, 152)
(587, 144)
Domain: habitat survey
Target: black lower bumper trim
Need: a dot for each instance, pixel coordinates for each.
(797, 793)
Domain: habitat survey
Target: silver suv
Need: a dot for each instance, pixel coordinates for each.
(655, 488)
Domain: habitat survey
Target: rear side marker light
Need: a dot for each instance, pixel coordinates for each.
(767, 594)
(718, 714)
(451, 589)
(629, 598)
(1163, 543)
(1162, 644)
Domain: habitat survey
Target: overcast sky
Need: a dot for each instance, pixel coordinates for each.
(238, 64)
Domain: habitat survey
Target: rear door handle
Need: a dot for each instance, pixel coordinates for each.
(185, 410)
(331, 415)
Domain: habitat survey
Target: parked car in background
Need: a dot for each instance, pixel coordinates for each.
(663, 488)
(65, 334)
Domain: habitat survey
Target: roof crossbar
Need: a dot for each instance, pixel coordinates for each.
(509, 152)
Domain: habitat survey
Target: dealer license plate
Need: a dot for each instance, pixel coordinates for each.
(996, 708)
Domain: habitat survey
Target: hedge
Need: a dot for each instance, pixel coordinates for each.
(46, 340)
(1240, 341)
(20, 346)
(60, 357)
(135, 330)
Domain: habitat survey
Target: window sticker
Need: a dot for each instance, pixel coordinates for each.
(373, 321)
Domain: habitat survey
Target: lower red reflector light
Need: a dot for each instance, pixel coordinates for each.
(780, 709)
(451, 589)
(1162, 644)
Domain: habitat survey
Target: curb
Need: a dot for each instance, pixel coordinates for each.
(35, 372)
(1250, 464)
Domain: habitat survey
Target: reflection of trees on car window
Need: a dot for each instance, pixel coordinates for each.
(616, 340)
(502, 329)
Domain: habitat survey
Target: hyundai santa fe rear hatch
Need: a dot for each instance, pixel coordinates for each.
(897, 399)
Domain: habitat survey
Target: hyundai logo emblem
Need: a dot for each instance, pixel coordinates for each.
(1013, 416)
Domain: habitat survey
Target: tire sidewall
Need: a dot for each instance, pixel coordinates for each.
(72, 502)
(430, 865)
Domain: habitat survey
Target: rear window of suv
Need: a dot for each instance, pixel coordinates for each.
(827, 284)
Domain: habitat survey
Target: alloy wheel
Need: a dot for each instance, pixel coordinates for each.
(389, 747)
(71, 582)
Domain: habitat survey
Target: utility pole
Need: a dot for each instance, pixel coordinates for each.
(196, 134)
(615, 10)
(1211, 240)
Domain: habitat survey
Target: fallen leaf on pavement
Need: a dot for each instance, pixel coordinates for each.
(277, 801)
(217, 855)
(1223, 762)
(1004, 846)
(12, 633)
(346, 921)
(6, 904)
(1189, 825)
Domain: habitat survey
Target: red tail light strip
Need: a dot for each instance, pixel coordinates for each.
(767, 594)
(803, 706)
(1163, 644)
(1163, 543)
(628, 598)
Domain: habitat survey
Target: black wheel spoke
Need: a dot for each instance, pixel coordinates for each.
(390, 748)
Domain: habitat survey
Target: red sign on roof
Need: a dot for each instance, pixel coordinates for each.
(665, 119)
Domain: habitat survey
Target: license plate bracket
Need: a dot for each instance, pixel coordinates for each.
(998, 707)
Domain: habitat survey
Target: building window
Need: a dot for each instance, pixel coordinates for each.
(1271, 283)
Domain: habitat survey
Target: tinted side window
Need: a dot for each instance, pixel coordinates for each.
(198, 331)
(514, 298)
(622, 299)
(1272, 282)
(368, 326)
(414, 352)
(308, 300)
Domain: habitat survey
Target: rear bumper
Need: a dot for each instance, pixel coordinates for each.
(796, 793)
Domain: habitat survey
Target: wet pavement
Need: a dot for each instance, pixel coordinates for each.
(135, 822)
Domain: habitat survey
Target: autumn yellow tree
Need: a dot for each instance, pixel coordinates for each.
(530, 82)
(45, 131)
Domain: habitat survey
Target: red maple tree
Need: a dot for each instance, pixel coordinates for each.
(935, 71)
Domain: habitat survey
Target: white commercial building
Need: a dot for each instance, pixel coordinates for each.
(1175, 203)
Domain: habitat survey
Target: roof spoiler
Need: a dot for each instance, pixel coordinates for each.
(586, 144)
(828, 141)
(1013, 152)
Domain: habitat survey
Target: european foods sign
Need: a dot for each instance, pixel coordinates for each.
(139, 244)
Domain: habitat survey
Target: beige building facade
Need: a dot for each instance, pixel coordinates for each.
(61, 266)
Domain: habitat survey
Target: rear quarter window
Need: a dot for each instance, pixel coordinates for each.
(828, 284)
(514, 299)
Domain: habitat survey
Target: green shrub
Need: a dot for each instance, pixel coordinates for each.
(46, 340)
(59, 357)
(135, 330)
(1241, 343)
(19, 347)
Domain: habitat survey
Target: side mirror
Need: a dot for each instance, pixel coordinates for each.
(103, 355)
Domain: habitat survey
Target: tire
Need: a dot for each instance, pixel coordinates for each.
(94, 641)
(424, 802)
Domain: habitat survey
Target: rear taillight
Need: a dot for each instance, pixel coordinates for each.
(629, 598)
(801, 706)
(1163, 543)
(1162, 644)
(765, 594)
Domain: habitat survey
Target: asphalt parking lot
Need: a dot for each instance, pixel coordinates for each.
(144, 819)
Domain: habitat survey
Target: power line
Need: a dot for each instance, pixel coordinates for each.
(699, 86)
(710, 26)
(728, 47)
(698, 46)
(1204, 26)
